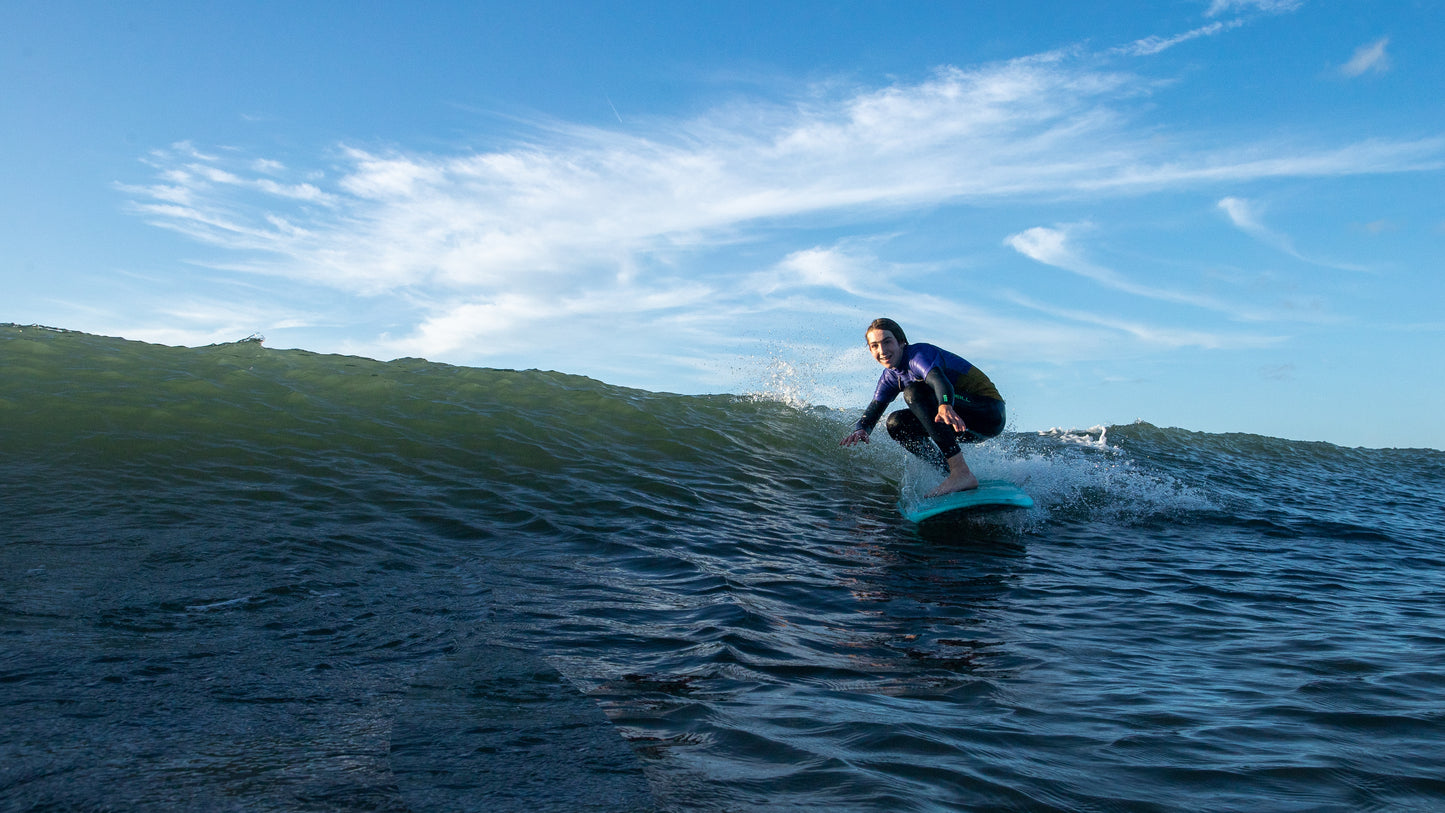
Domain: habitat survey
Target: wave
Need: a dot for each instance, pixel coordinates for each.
(223, 541)
(535, 440)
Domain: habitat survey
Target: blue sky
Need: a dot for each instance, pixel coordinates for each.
(1224, 215)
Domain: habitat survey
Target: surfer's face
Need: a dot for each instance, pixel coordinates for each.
(885, 348)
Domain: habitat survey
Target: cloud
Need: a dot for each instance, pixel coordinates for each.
(577, 225)
(1369, 58)
(577, 199)
(1054, 247)
(1151, 45)
(1218, 7)
(1245, 216)
(1150, 335)
(509, 321)
(193, 320)
(818, 267)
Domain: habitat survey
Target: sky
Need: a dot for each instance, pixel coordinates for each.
(1220, 215)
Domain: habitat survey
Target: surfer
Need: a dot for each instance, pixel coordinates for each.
(949, 400)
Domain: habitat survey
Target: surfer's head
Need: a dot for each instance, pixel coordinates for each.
(884, 323)
(886, 341)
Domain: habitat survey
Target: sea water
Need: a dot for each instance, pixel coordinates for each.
(237, 578)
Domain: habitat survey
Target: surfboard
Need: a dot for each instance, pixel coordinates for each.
(991, 495)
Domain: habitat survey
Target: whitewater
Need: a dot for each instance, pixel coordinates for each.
(240, 578)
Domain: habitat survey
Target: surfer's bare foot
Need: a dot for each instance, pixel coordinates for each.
(960, 478)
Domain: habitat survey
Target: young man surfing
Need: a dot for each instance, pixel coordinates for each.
(949, 400)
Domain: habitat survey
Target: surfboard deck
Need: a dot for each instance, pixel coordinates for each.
(991, 495)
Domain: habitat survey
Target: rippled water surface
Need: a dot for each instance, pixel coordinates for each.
(247, 579)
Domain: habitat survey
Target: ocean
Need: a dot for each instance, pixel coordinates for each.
(239, 578)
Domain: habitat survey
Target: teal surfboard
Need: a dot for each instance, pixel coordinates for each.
(991, 495)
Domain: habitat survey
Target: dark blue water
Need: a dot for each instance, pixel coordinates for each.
(237, 578)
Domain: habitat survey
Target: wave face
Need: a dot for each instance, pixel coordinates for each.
(243, 578)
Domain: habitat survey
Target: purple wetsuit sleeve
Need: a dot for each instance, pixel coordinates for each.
(883, 395)
(937, 368)
(888, 387)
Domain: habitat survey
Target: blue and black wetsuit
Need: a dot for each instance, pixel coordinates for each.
(933, 376)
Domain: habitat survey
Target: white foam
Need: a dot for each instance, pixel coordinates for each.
(1073, 474)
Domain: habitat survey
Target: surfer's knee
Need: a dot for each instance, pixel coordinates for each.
(918, 393)
(901, 425)
(985, 418)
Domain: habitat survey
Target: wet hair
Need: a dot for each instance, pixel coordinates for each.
(884, 323)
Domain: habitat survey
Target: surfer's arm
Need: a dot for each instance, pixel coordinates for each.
(943, 391)
(864, 427)
(941, 386)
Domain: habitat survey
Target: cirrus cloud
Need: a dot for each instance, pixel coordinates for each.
(580, 199)
(486, 254)
(1369, 58)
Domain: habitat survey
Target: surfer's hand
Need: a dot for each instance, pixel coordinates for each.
(857, 436)
(948, 417)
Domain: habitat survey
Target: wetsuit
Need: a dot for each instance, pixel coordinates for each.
(933, 376)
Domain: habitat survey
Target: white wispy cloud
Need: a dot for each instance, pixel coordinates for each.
(578, 225)
(1246, 217)
(818, 267)
(200, 320)
(1055, 247)
(1243, 215)
(1218, 7)
(1147, 334)
(1155, 44)
(1369, 58)
(584, 198)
